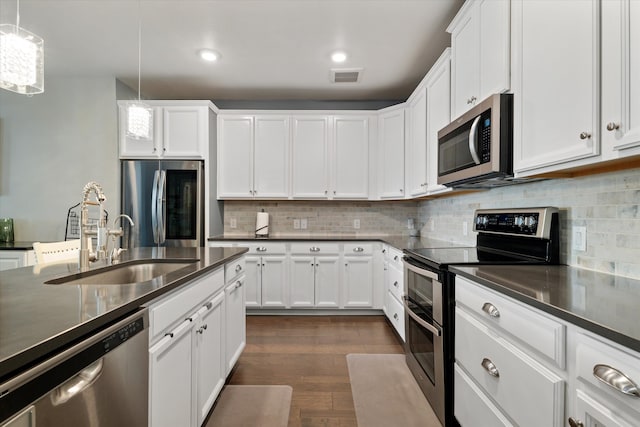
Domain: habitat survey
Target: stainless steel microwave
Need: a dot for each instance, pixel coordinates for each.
(477, 147)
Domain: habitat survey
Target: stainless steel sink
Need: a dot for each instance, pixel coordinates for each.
(126, 273)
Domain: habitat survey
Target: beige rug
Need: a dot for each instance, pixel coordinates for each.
(386, 394)
(251, 406)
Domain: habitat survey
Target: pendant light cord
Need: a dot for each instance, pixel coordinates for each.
(139, 45)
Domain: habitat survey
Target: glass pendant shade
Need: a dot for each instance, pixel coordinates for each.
(139, 121)
(21, 60)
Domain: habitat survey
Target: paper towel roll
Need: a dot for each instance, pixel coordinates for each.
(262, 224)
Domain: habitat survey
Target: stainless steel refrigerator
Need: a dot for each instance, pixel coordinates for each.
(165, 199)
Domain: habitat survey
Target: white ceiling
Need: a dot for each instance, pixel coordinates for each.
(271, 49)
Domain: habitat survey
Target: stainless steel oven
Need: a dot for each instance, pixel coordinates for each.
(424, 331)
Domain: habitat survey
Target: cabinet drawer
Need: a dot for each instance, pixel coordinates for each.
(395, 281)
(358, 249)
(525, 390)
(591, 353)
(395, 258)
(173, 308)
(264, 248)
(541, 333)
(234, 269)
(471, 406)
(395, 313)
(313, 248)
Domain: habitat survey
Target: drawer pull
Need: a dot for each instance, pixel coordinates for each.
(314, 249)
(575, 423)
(491, 310)
(395, 316)
(238, 268)
(616, 379)
(358, 249)
(395, 258)
(490, 367)
(238, 284)
(395, 283)
(208, 305)
(261, 249)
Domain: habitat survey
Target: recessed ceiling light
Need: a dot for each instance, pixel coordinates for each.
(339, 57)
(209, 55)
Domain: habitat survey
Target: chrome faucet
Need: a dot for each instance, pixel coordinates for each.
(114, 254)
(86, 246)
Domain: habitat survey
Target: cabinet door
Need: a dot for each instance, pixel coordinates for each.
(494, 43)
(235, 324)
(327, 275)
(620, 78)
(185, 131)
(271, 157)
(358, 281)
(465, 60)
(310, 144)
(253, 283)
(438, 115)
(274, 281)
(351, 158)
(555, 83)
(391, 159)
(417, 157)
(12, 259)
(138, 148)
(235, 157)
(170, 379)
(596, 412)
(302, 282)
(210, 370)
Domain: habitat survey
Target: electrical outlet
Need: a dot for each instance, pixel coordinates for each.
(356, 223)
(296, 224)
(233, 223)
(579, 238)
(465, 228)
(303, 223)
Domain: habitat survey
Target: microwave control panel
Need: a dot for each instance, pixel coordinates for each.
(485, 137)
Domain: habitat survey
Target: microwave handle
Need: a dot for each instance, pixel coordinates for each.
(473, 136)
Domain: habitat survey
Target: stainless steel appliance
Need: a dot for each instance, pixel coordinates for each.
(476, 149)
(102, 380)
(505, 236)
(166, 201)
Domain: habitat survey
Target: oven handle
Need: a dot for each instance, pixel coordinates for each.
(436, 331)
(420, 271)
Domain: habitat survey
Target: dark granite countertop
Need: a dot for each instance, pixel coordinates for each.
(16, 246)
(397, 241)
(604, 304)
(37, 319)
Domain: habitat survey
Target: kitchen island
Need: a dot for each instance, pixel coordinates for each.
(38, 319)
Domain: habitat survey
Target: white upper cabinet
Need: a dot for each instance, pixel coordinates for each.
(620, 121)
(480, 58)
(555, 79)
(180, 130)
(350, 160)
(310, 156)
(253, 156)
(417, 142)
(391, 170)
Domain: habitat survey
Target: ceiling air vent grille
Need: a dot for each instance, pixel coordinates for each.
(345, 75)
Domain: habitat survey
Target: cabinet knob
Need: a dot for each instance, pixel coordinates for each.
(326, 192)
(575, 423)
(401, 190)
(585, 135)
(164, 149)
(395, 316)
(488, 366)
(238, 268)
(395, 258)
(471, 100)
(334, 192)
(238, 284)
(395, 283)
(491, 309)
(358, 249)
(616, 380)
(611, 126)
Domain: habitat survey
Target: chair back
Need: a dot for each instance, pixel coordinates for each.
(56, 251)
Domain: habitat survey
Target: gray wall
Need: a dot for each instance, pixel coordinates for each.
(51, 145)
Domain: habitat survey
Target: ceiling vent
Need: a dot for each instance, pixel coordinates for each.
(345, 75)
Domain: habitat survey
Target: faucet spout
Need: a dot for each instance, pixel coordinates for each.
(114, 255)
(86, 247)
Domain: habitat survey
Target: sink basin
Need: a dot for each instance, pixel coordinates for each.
(125, 273)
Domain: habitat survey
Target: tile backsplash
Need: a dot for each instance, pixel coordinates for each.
(607, 205)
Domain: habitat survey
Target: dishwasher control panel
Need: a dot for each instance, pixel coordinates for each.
(122, 334)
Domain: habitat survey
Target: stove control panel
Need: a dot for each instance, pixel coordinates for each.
(532, 222)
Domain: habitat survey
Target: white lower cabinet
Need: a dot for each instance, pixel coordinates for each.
(15, 259)
(266, 281)
(393, 288)
(314, 281)
(236, 321)
(358, 281)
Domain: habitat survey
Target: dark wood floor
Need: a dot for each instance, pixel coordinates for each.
(309, 354)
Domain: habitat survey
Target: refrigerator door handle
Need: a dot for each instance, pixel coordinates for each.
(154, 206)
(162, 206)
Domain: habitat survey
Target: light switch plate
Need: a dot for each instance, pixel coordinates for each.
(579, 238)
(296, 224)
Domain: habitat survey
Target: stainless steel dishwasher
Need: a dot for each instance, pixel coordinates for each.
(101, 381)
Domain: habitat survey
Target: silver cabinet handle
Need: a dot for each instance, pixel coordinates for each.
(238, 268)
(395, 258)
(585, 135)
(490, 367)
(395, 283)
(611, 126)
(261, 249)
(491, 310)
(575, 423)
(208, 305)
(238, 284)
(314, 249)
(616, 380)
(395, 316)
(80, 382)
(358, 249)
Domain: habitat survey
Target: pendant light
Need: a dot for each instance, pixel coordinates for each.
(21, 58)
(139, 114)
